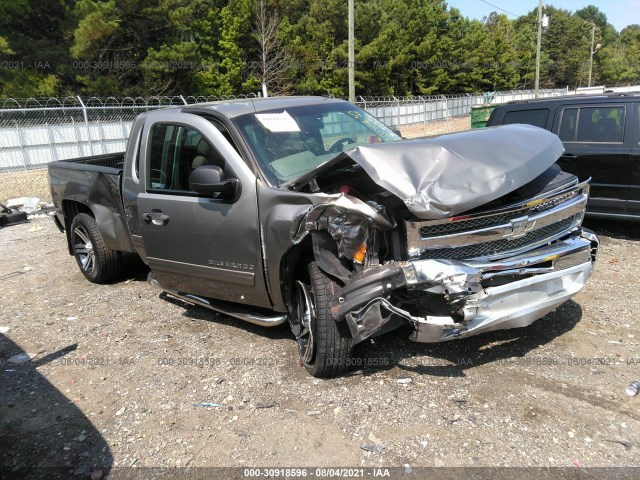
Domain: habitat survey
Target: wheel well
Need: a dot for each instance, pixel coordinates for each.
(70, 209)
(294, 267)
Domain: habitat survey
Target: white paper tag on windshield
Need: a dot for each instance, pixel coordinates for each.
(278, 122)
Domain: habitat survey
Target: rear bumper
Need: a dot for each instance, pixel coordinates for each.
(529, 286)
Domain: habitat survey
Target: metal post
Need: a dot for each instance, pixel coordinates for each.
(54, 151)
(125, 133)
(86, 122)
(593, 36)
(101, 136)
(76, 131)
(352, 56)
(22, 145)
(537, 82)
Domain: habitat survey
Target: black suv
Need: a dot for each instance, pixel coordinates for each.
(601, 135)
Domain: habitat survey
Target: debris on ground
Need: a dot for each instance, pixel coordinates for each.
(21, 358)
(633, 388)
(24, 204)
(372, 447)
(9, 216)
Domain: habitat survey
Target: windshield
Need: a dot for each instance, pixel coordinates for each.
(292, 141)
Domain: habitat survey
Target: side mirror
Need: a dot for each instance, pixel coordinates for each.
(210, 179)
(397, 132)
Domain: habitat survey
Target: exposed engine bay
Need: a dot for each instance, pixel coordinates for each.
(452, 245)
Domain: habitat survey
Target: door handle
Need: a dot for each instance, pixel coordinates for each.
(568, 157)
(157, 218)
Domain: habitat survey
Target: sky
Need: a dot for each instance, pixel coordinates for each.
(620, 13)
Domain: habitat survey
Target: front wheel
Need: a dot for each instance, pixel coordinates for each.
(325, 345)
(97, 263)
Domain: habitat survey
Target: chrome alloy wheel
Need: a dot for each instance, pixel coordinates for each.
(304, 323)
(83, 249)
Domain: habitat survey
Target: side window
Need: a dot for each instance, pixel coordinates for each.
(339, 125)
(537, 117)
(136, 157)
(568, 125)
(176, 150)
(593, 125)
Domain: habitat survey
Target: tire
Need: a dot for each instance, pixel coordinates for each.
(326, 350)
(97, 263)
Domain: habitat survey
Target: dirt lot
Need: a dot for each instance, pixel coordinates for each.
(454, 124)
(29, 183)
(120, 370)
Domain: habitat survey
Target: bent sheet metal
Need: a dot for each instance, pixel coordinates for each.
(443, 176)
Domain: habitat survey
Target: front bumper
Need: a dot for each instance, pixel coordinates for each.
(533, 285)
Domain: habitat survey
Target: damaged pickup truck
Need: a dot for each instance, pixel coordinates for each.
(310, 211)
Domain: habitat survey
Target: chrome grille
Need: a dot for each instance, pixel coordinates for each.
(493, 220)
(505, 231)
(498, 246)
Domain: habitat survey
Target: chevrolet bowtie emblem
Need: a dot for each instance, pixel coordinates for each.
(519, 228)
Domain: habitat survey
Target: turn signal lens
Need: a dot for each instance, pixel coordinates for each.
(358, 257)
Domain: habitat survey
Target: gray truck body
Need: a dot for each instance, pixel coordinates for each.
(463, 233)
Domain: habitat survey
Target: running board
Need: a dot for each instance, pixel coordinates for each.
(227, 308)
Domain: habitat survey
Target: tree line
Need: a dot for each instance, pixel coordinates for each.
(226, 47)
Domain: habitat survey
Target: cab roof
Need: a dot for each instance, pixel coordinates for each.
(579, 98)
(237, 107)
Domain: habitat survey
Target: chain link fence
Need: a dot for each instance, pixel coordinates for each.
(401, 111)
(35, 132)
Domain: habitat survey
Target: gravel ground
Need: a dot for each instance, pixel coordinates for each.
(123, 376)
(453, 124)
(30, 183)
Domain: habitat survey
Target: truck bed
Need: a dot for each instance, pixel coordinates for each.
(108, 163)
(92, 184)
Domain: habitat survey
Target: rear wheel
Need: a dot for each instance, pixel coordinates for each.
(325, 345)
(97, 263)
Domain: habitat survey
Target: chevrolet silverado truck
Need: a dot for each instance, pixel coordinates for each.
(308, 210)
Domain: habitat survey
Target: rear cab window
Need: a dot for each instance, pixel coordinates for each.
(537, 117)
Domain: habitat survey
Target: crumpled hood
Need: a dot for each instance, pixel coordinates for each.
(446, 175)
